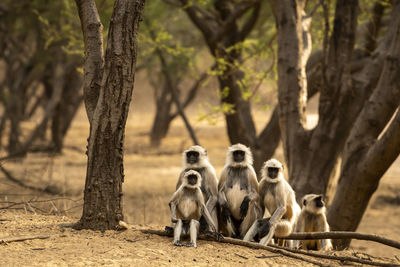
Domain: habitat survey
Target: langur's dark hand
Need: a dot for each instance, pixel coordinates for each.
(244, 207)
(225, 214)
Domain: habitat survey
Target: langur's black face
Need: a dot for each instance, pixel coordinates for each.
(238, 155)
(273, 172)
(318, 202)
(192, 157)
(192, 179)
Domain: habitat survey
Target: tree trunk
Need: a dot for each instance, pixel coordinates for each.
(311, 155)
(162, 118)
(102, 207)
(67, 108)
(369, 153)
(239, 122)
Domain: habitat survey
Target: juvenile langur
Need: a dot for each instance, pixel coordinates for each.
(195, 158)
(312, 218)
(278, 202)
(238, 192)
(187, 207)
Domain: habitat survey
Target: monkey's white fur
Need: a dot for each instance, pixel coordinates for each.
(248, 157)
(187, 204)
(279, 202)
(312, 219)
(203, 158)
(185, 180)
(272, 163)
(234, 195)
(210, 183)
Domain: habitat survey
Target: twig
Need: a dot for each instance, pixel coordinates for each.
(267, 257)
(22, 238)
(30, 207)
(343, 235)
(43, 200)
(243, 257)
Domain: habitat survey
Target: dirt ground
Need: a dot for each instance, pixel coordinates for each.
(67, 247)
(150, 176)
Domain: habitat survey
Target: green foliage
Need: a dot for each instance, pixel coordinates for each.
(165, 30)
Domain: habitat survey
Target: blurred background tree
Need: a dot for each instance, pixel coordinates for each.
(42, 53)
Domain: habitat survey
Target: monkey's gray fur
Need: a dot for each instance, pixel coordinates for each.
(238, 192)
(187, 207)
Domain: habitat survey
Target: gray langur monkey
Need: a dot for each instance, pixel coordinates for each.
(238, 192)
(278, 201)
(195, 158)
(312, 218)
(187, 207)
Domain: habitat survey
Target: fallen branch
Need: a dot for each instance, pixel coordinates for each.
(239, 242)
(343, 235)
(334, 257)
(22, 238)
(282, 250)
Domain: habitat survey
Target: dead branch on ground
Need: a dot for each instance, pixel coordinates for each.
(343, 235)
(335, 257)
(281, 250)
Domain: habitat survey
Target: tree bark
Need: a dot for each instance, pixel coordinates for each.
(369, 152)
(102, 207)
(94, 57)
(311, 155)
(291, 81)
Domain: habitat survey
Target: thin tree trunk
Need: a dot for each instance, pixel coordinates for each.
(162, 118)
(94, 57)
(175, 97)
(102, 207)
(67, 108)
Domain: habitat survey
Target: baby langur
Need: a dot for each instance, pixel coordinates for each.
(187, 207)
(312, 218)
(195, 158)
(278, 202)
(238, 192)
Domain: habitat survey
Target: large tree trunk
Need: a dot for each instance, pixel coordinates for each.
(347, 122)
(367, 154)
(239, 122)
(102, 207)
(311, 155)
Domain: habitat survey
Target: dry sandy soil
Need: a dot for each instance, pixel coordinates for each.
(67, 247)
(150, 180)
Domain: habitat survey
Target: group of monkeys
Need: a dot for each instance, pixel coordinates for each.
(238, 205)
